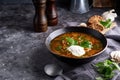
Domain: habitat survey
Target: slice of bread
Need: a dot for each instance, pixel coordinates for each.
(94, 23)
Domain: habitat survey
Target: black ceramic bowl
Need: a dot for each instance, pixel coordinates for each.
(86, 30)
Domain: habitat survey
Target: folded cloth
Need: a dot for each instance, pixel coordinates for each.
(85, 75)
(114, 37)
(87, 71)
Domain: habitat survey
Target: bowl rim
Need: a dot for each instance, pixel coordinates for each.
(98, 53)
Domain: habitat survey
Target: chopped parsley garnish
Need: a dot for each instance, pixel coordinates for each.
(86, 44)
(71, 41)
(58, 48)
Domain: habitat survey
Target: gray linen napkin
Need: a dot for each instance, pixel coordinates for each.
(86, 71)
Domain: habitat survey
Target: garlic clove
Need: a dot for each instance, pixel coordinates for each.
(115, 55)
(83, 24)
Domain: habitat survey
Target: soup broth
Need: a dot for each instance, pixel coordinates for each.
(90, 44)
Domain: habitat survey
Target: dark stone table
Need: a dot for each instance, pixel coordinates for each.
(23, 54)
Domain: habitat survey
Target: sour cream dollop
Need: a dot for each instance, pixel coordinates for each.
(115, 55)
(76, 50)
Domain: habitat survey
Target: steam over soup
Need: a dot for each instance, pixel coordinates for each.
(75, 45)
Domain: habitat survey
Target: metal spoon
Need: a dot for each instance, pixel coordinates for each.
(55, 70)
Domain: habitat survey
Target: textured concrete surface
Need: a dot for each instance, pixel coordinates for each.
(22, 51)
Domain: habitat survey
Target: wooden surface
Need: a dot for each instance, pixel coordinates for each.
(103, 3)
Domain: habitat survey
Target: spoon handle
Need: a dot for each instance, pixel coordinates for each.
(65, 77)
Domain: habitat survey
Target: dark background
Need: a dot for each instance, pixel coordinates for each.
(29, 1)
(15, 1)
(60, 3)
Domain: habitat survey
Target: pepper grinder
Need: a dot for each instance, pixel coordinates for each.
(40, 20)
(51, 13)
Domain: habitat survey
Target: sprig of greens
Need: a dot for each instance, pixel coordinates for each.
(106, 23)
(106, 69)
(99, 78)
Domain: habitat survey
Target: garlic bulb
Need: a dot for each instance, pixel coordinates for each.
(115, 55)
(109, 15)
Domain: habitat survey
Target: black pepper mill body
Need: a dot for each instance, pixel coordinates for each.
(51, 12)
(40, 20)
